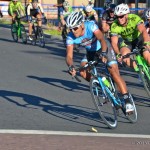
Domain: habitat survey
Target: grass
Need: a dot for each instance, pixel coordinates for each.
(51, 29)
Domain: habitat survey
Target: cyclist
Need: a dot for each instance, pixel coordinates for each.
(63, 16)
(34, 9)
(132, 31)
(90, 14)
(147, 17)
(87, 34)
(15, 9)
(107, 19)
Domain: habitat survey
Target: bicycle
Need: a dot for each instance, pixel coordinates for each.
(143, 67)
(106, 99)
(18, 30)
(37, 34)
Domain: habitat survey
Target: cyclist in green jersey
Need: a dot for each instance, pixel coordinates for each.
(132, 31)
(14, 9)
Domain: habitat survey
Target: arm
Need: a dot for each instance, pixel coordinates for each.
(62, 20)
(22, 8)
(105, 26)
(114, 43)
(69, 55)
(41, 8)
(141, 28)
(100, 37)
(11, 9)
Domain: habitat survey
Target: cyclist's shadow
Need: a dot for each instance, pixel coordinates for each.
(65, 84)
(71, 113)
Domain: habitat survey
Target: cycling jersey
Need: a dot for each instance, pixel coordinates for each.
(30, 8)
(15, 7)
(92, 15)
(107, 18)
(130, 31)
(88, 40)
(66, 13)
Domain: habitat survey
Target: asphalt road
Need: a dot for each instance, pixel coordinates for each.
(36, 93)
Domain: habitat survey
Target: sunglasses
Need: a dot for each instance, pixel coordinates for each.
(75, 28)
(120, 17)
(148, 19)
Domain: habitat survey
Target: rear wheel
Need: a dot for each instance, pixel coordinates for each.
(145, 79)
(14, 32)
(103, 104)
(23, 34)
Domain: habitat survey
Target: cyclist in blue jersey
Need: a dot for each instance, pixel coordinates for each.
(87, 34)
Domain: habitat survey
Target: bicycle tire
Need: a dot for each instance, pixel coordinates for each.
(41, 38)
(145, 80)
(23, 34)
(132, 117)
(108, 115)
(14, 33)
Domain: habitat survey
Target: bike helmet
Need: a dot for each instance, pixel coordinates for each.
(147, 14)
(88, 8)
(112, 7)
(121, 9)
(65, 4)
(74, 19)
(34, 1)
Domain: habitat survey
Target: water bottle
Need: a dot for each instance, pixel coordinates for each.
(106, 82)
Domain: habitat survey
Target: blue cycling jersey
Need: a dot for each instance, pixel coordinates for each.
(88, 40)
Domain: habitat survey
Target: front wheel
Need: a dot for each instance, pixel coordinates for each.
(23, 34)
(14, 32)
(145, 79)
(41, 37)
(133, 116)
(103, 103)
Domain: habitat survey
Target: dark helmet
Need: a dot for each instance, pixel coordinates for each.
(112, 7)
(34, 1)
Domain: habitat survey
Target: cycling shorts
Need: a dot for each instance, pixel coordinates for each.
(132, 44)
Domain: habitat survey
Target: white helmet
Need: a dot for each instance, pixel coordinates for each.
(88, 8)
(65, 4)
(147, 14)
(121, 9)
(74, 19)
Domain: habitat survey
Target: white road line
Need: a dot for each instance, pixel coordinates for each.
(44, 132)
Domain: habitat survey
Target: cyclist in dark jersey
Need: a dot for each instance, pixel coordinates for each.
(107, 19)
(147, 24)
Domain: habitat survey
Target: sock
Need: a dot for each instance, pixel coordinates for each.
(126, 97)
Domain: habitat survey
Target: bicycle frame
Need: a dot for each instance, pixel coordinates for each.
(142, 62)
(116, 101)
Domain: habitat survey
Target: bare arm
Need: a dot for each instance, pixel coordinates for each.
(143, 31)
(69, 55)
(114, 43)
(100, 37)
(105, 26)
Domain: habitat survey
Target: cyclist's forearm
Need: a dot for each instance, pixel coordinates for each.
(146, 37)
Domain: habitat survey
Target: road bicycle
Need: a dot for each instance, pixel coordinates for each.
(143, 67)
(18, 30)
(37, 34)
(106, 99)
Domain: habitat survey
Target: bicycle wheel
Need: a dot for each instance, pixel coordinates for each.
(41, 37)
(103, 104)
(133, 116)
(145, 80)
(23, 34)
(33, 42)
(14, 32)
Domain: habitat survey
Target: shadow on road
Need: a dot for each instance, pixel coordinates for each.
(67, 112)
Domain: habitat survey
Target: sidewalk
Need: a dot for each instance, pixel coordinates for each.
(68, 142)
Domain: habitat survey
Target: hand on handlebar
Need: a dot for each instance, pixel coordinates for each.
(119, 58)
(72, 71)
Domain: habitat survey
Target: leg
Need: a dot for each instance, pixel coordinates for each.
(128, 61)
(39, 17)
(146, 55)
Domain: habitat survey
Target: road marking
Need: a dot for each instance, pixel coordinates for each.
(71, 133)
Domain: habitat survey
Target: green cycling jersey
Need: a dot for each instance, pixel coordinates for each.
(130, 31)
(15, 7)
